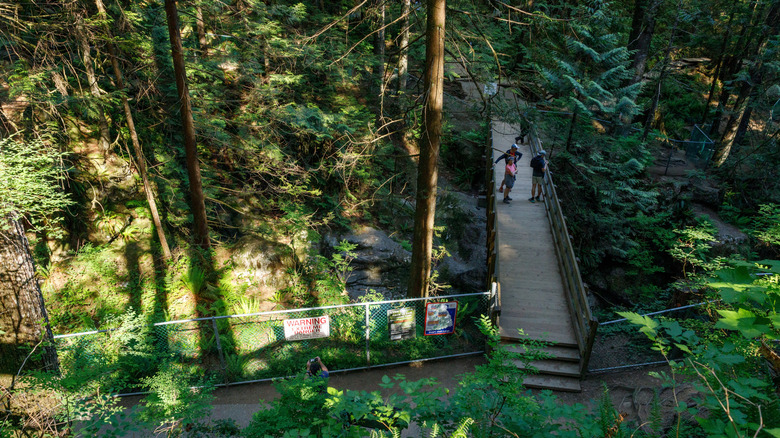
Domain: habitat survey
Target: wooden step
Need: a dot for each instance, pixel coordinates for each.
(567, 354)
(546, 337)
(554, 383)
(553, 367)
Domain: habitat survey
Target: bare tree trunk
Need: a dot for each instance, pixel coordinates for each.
(22, 309)
(140, 161)
(729, 134)
(755, 78)
(651, 116)
(718, 67)
(427, 172)
(403, 57)
(86, 56)
(197, 200)
(642, 28)
(571, 129)
(201, 25)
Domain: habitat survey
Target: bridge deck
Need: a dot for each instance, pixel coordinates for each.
(532, 293)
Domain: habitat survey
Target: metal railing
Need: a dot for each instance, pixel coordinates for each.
(699, 148)
(585, 325)
(620, 345)
(254, 347)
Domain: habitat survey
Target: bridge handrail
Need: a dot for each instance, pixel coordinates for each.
(585, 325)
(491, 226)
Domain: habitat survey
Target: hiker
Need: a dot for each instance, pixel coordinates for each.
(539, 165)
(512, 153)
(510, 172)
(315, 368)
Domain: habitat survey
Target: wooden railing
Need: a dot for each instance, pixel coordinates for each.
(491, 225)
(585, 325)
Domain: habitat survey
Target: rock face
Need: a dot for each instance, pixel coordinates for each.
(380, 263)
(261, 262)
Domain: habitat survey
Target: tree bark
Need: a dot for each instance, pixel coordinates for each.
(403, 57)
(140, 161)
(718, 67)
(23, 315)
(94, 88)
(642, 28)
(651, 116)
(201, 26)
(197, 200)
(771, 24)
(427, 172)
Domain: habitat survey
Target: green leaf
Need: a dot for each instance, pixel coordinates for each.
(744, 321)
(775, 432)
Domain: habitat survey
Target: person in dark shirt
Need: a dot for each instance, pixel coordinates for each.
(315, 368)
(539, 165)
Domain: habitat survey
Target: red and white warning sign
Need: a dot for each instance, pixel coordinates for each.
(307, 328)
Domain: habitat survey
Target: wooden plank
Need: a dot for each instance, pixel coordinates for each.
(553, 367)
(557, 352)
(555, 383)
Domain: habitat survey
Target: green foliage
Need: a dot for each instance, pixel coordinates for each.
(489, 402)
(727, 368)
(30, 177)
(766, 225)
(692, 248)
(172, 403)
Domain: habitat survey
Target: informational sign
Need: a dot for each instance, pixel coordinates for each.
(307, 328)
(402, 324)
(440, 318)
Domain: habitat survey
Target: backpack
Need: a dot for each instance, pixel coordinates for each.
(537, 162)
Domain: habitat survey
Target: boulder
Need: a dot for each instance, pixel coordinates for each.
(261, 262)
(380, 263)
(704, 193)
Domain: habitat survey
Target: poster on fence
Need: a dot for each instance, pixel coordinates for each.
(440, 318)
(307, 328)
(401, 323)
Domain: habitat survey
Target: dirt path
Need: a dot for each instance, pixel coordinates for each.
(631, 391)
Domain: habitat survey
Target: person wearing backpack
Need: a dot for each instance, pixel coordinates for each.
(512, 153)
(539, 166)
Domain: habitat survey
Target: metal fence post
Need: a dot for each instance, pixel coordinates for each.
(219, 350)
(368, 337)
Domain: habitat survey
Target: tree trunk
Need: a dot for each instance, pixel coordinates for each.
(729, 134)
(202, 43)
(571, 129)
(403, 57)
(379, 50)
(23, 317)
(718, 67)
(140, 161)
(642, 27)
(667, 57)
(197, 200)
(755, 77)
(732, 64)
(86, 56)
(427, 172)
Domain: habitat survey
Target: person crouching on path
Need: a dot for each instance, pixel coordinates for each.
(510, 172)
(539, 166)
(512, 153)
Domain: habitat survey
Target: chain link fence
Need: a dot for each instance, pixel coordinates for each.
(255, 347)
(619, 344)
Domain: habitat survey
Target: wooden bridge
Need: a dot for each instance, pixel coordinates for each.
(531, 261)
